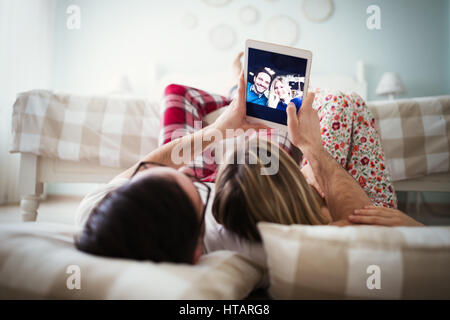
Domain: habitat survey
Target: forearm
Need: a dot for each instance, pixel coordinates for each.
(178, 152)
(342, 193)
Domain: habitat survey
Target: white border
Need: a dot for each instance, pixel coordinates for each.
(271, 47)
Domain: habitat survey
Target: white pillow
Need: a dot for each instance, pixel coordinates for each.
(329, 262)
(35, 257)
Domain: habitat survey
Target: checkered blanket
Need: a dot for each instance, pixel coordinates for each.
(117, 131)
(185, 106)
(415, 134)
(106, 130)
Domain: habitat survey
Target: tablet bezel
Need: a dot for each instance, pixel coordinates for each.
(275, 48)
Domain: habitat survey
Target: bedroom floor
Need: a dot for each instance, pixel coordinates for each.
(55, 208)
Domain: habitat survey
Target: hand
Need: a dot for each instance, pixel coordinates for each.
(383, 217)
(234, 115)
(311, 179)
(304, 127)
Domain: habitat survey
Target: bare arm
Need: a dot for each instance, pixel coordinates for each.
(171, 153)
(168, 154)
(342, 193)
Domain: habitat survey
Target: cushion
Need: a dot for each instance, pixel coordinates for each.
(357, 262)
(39, 260)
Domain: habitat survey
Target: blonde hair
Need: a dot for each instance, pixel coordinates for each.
(244, 196)
(273, 98)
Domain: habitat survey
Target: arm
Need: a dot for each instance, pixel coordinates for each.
(383, 217)
(342, 193)
(163, 154)
(197, 142)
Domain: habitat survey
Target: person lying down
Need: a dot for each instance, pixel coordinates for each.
(154, 210)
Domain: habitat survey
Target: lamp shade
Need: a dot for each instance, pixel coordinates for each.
(390, 83)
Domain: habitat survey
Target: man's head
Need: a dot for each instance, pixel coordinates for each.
(262, 80)
(156, 216)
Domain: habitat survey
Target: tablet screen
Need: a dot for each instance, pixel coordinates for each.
(273, 81)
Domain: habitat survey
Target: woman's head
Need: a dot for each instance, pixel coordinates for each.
(279, 90)
(156, 216)
(244, 196)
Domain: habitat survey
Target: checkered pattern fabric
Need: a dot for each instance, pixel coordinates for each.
(118, 131)
(329, 262)
(106, 130)
(184, 106)
(415, 134)
(38, 270)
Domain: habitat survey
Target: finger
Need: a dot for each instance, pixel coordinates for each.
(241, 85)
(372, 207)
(379, 213)
(291, 115)
(317, 187)
(307, 103)
(383, 209)
(380, 221)
(390, 211)
(239, 100)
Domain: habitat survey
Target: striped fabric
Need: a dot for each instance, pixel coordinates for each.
(118, 131)
(37, 260)
(415, 135)
(105, 130)
(329, 262)
(186, 110)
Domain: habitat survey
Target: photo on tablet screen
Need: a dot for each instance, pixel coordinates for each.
(273, 81)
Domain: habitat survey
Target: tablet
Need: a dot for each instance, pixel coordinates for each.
(275, 75)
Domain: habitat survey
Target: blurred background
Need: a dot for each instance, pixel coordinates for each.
(105, 46)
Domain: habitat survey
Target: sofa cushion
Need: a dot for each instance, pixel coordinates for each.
(39, 261)
(329, 262)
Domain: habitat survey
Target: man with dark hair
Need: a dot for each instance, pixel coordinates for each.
(153, 210)
(255, 91)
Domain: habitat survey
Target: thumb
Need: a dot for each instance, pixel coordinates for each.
(308, 102)
(241, 90)
(292, 115)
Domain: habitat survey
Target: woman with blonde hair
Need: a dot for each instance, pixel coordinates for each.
(280, 94)
(345, 164)
(246, 193)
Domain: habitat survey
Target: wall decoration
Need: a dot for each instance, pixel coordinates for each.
(248, 15)
(189, 21)
(281, 30)
(318, 10)
(216, 3)
(222, 37)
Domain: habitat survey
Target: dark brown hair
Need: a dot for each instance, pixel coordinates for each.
(150, 218)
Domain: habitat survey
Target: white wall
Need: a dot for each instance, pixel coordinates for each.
(26, 47)
(144, 37)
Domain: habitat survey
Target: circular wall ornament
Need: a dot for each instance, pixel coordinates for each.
(189, 21)
(248, 15)
(216, 3)
(282, 30)
(318, 10)
(222, 36)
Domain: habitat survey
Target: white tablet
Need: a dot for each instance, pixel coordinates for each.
(275, 76)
